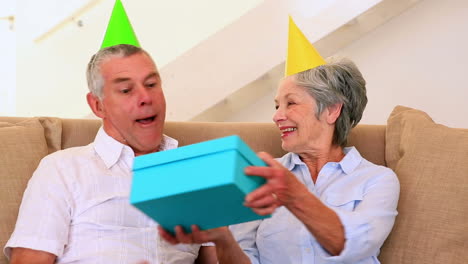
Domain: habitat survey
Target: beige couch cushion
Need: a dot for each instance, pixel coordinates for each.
(52, 129)
(79, 132)
(260, 136)
(370, 141)
(52, 132)
(22, 146)
(431, 162)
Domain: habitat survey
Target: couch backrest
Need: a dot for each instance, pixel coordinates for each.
(51, 134)
(368, 139)
(79, 132)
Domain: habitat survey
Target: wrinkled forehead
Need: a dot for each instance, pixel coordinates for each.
(112, 56)
(131, 62)
(288, 85)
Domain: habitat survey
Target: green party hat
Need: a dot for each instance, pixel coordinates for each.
(119, 30)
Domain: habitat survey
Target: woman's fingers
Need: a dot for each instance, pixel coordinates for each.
(261, 197)
(264, 205)
(265, 200)
(265, 190)
(264, 172)
(264, 211)
(269, 160)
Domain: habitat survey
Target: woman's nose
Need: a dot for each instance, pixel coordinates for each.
(279, 115)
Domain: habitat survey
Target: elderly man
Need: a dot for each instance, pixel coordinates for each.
(75, 208)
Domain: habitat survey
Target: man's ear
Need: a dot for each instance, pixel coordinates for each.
(334, 112)
(95, 104)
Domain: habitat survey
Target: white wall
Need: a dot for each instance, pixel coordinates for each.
(7, 60)
(418, 59)
(189, 40)
(233, 58)
(51, 73)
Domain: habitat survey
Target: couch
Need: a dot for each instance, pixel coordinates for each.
(431, 161)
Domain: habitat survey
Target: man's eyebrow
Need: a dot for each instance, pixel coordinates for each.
(126, 79)
(153, 75)
(121, 79)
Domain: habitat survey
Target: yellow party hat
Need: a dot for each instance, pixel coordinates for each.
(301, 54)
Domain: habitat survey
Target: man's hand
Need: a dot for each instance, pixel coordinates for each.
(226, 250)
(197, 236)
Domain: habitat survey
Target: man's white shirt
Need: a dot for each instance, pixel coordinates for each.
(76, 206)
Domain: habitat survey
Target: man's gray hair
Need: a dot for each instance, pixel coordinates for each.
(338, 81)
(93, 72)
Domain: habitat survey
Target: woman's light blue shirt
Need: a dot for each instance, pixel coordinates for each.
(364, 196)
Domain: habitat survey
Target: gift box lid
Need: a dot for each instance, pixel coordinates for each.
(233, 142)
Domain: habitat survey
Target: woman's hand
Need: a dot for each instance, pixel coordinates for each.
(320, 220)
(281, 186)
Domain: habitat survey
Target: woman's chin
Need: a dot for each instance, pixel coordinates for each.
(286, 147)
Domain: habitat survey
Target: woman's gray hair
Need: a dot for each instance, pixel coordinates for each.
(93, 71)
(338, 81)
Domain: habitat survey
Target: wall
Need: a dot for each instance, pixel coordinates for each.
(51, 73)
(7, 66)
(417, 59)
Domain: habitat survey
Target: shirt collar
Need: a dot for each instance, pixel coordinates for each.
(290, 160)
(111, 150)
(351, 160)
(348, 164)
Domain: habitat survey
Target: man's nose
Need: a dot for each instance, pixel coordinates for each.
(144, 96)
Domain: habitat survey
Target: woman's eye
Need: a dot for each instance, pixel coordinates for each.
(291, 103)
(276, 107)
(151, 85)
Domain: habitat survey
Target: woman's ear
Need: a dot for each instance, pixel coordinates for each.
(334, 112)
(95, 104)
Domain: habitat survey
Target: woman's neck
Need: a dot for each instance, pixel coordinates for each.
(316, 160)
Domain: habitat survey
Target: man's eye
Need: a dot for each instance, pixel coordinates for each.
(125, 91)
(151, 85)
(276, 107)
(291, 103)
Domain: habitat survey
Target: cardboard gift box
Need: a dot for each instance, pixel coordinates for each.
(202, 184)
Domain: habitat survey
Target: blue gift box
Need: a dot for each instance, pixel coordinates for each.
(202, 184)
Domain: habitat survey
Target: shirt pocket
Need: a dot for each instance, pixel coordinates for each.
(347, 202)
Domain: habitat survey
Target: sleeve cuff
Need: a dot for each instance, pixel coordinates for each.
(50, 246)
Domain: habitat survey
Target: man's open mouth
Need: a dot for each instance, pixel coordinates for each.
(146, 120)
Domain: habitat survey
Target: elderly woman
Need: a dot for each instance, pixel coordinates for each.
(328, 204)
